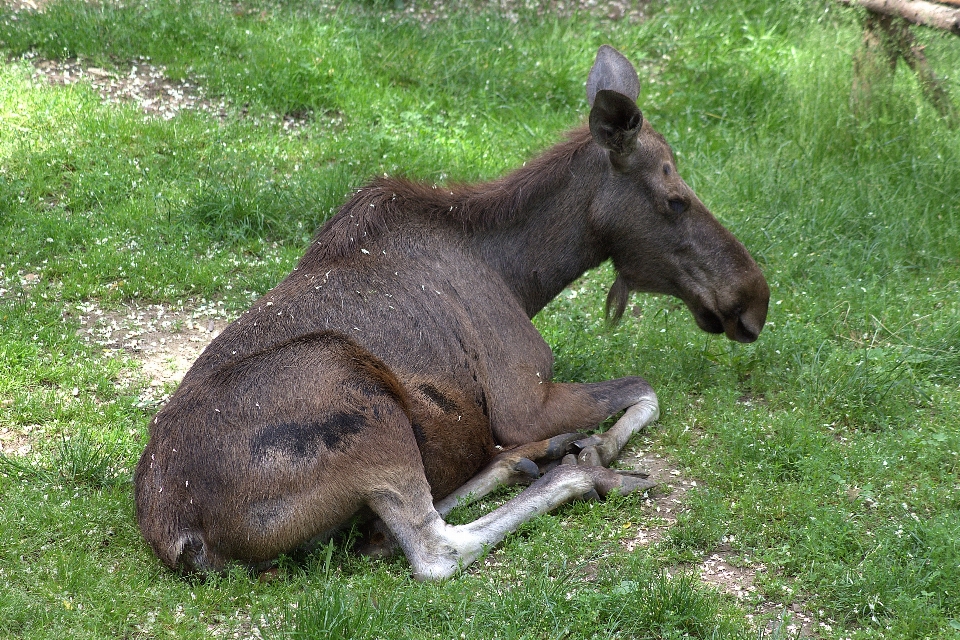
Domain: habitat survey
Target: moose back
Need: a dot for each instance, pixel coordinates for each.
(395, 372)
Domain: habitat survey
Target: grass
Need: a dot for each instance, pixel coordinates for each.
(826, 453)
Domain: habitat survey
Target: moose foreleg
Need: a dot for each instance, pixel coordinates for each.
(568, 407)
(513, 466)
(602, 448)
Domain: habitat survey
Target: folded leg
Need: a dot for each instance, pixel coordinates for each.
(437, 550)
(519, 465)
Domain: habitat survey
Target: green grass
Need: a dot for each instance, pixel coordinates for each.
(828, 452)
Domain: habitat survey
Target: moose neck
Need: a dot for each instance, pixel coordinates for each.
(545, 241)
(531, 226)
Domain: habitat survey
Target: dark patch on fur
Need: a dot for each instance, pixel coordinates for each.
(483, 404)
(446, 404)
(267, 515)
(303, 439)
(418, 434)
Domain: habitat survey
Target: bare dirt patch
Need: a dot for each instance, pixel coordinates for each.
(666, 501)
(733, 575)
(16, 442)
(139, 82)
(165, 340)
(736, 580)
(146, 85)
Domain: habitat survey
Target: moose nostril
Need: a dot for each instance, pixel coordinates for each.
(745, 333)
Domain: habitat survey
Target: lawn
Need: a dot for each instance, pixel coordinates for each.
(820, 464)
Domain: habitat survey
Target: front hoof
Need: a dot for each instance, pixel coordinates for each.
(632, 483)
(590, 457)
(525, 471)
(558, 446)
(590, 496)
(585, 443)
(636, 474)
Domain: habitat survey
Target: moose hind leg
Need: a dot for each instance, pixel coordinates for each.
(514, 466)
(437, 550)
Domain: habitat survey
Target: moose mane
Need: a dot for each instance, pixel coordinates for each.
(390, 201)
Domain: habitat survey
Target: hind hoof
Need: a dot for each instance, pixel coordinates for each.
(623, 481)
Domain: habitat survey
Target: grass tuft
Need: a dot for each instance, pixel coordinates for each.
(79, 460)
(332, 611)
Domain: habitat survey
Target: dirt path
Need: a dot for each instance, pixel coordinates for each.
(146, 84)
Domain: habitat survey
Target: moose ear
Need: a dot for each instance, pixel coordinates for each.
(615, 122)
(612, 71)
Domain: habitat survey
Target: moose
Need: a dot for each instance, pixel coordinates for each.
(395, 373)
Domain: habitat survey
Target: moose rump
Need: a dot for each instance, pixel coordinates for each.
(395, 371)
(273, 454)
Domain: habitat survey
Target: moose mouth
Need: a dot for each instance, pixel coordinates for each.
(742, 325)
(735, 326)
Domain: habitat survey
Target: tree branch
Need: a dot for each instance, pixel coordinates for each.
(916, 11)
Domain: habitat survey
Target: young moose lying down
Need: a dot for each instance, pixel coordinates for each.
(396, 372)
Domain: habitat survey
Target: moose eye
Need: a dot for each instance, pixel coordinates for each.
(678, 206)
